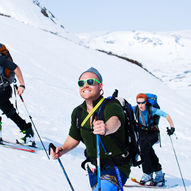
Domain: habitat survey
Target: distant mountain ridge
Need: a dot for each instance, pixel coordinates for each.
(165, 54)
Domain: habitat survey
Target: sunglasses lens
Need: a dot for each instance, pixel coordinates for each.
(141, 102)
(81, 83)
(90, 82)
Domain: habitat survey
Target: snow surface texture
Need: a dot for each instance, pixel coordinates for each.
(51, 66)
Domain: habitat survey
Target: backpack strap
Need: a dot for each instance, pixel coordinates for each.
(78, 118)
(137, 114)
(149, 113)
(155, 119)
(92, 112)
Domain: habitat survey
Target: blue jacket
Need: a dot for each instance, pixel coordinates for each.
(155, 111)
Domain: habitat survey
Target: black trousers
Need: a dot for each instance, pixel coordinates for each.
(150, 160)
(8, 109)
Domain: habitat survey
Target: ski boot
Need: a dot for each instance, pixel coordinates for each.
(146, 179)
(27, 137)
(159, 179)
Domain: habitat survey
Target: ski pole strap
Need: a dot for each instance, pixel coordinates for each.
(92, 112)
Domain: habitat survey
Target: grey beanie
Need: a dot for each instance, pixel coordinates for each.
(95, 71)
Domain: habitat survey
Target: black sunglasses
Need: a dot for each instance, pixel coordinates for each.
(141, 102)
(90, 82)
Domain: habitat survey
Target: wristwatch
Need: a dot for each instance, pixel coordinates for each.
(23, 86)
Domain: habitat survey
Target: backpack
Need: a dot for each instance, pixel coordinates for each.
(131, 131)
(131, 145)
(151, 102)
(6, 75)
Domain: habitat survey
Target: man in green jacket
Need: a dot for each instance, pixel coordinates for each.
(112, 124)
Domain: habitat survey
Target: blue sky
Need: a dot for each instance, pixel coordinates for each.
(115, 15)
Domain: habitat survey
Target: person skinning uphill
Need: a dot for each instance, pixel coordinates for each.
(8, 70)
(91, 90)
(147, 123)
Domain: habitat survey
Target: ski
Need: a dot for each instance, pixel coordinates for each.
(15, 146)
(17, 143)
(153, 187)
(141, 186)
(149, 186)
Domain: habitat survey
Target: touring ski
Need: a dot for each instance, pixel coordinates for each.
(17, 143)
(15, 146)
(149, 186)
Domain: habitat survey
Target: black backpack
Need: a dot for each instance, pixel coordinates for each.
(131, 132)
(131, 145)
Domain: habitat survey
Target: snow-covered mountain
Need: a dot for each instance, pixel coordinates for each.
(31, 12)
(51, 65)
(28, 12)
(165, 54)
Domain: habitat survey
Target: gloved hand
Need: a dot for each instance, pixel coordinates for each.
(170, 131)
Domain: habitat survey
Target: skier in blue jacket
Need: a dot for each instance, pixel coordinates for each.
(148, 136)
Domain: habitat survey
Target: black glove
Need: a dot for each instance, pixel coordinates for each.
(170, 131)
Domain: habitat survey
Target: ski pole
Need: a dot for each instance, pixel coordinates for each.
(177, 162)
(98, 163)
(51, 146)
(15, 97)
(33, 123)
(97, 116)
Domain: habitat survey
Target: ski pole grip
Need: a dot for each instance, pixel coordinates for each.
(51, 146)
(20, 95)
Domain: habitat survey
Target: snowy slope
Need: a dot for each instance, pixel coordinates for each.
(51, 76)
(31, 12)
(165, 54)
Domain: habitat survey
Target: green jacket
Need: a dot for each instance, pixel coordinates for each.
(89, 139)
